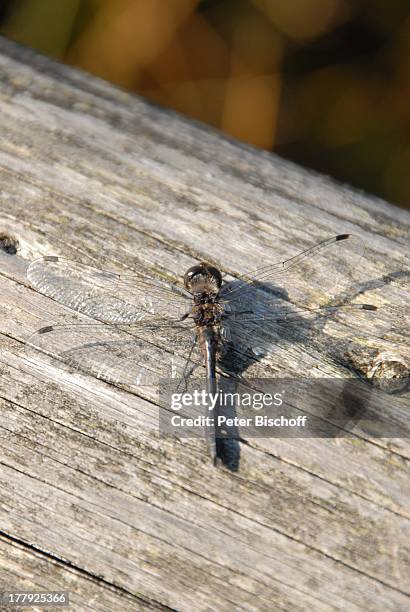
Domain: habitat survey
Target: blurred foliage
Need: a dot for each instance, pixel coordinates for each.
(322, 82)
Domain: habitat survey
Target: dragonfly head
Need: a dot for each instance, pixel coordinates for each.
(203, 279)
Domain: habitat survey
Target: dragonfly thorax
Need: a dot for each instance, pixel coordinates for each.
(205, 298)
(208, 314)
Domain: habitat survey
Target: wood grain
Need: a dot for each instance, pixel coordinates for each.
(92, 499)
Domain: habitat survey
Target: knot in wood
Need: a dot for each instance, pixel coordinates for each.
(8, 243)
(389, 372)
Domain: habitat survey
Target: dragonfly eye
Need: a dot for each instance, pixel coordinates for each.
(203, 278)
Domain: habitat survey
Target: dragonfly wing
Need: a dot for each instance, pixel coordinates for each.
(128, 356)
(103, 295)
(310, 277)
(304, 296)
(261, 331)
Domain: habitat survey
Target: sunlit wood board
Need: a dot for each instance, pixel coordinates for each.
(93, 500)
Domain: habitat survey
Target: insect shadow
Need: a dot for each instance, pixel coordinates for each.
(237, 358)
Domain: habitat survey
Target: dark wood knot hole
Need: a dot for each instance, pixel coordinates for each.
(8, 243)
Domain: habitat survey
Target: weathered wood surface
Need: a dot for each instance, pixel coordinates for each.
(92, 500)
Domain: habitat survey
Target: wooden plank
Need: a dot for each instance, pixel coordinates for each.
(94, 174)
(32, 570)
(90, 486)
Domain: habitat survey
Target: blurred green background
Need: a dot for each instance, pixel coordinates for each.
(322, 82)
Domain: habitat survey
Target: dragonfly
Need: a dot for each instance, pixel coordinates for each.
(135, 329)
